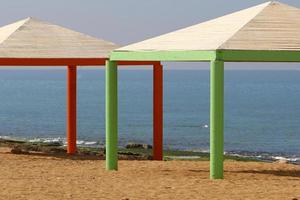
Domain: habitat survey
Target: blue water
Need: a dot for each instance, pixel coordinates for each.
(262, 108)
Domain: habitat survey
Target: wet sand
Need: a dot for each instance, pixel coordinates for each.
(47, 177)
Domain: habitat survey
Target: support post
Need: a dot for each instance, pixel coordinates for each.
(111, 115)
(71, 109)
(157, 112)
(216, 119)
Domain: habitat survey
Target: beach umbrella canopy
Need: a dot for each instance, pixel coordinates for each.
(34, 38)
(271, 26)
(268, 32)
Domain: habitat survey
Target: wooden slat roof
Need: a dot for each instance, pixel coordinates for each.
(268, 26)
(33, 38)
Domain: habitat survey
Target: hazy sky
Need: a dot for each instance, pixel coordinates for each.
(124, 21)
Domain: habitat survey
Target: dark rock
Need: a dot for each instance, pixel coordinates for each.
(138, 146)
(52, 144)
(128, 153)
(33, 148)
(57, 150)
(87, 153)
(18, 150)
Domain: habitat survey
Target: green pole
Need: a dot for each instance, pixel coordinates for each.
(111, 115)
(216, 119)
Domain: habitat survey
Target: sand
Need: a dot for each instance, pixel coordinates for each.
(48, 177)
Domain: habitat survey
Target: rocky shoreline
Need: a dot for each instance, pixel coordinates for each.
(132, 151)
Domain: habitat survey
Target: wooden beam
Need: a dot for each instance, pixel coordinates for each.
(258, 56)
(134, 63)
(67, 61)
(52, 61)
(162, 55)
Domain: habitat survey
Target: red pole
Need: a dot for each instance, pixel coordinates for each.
(157, 112)
(71, 109)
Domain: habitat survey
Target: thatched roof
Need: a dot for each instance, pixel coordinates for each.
(33, 38)
(269, 26)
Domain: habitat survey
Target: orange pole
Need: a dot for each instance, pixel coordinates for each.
(71, 109)
(157, 112)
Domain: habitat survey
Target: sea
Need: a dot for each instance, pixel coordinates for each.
(262, 109)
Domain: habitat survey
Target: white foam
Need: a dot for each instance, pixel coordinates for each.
(205, 126)
(80, 142)
(279, 158)
(90, 143)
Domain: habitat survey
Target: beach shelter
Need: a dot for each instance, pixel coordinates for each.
(33, 42)
(264, 33)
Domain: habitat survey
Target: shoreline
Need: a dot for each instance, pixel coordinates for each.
(136, 152)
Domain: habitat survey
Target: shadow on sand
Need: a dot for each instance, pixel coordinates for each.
(290, 173)
(60, 155)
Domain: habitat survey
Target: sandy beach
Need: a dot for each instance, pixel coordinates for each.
(48, 177)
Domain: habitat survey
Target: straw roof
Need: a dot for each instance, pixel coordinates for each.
(268, 26)
(33, 38)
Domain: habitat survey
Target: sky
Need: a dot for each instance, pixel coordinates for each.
(128, 21)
